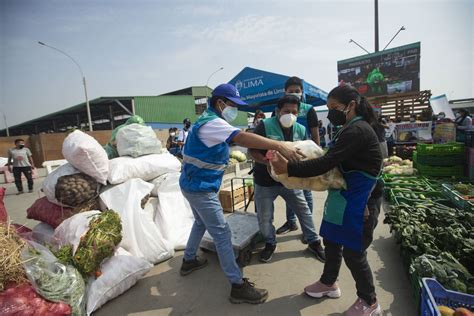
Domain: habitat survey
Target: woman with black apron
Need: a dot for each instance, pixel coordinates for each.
(346, 227)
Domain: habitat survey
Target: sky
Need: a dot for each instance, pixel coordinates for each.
(138, 47)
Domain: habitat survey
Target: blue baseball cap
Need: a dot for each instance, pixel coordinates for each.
(228, 91)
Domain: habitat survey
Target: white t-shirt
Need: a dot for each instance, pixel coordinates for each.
(217, 131)
(183, 135)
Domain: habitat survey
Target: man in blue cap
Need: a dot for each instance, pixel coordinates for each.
(205, 157)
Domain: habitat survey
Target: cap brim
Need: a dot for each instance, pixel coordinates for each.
(237, 101)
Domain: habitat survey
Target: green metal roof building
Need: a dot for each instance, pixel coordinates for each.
(160, 112)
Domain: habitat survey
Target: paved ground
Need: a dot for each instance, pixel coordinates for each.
(164, 292)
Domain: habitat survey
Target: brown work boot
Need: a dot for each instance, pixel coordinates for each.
(192, 265)
(247, 293)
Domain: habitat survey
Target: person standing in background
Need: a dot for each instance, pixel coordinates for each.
(390, 136)
(309, 119)
(171, 142)
(184, 133)
(463, 122)
(21, 159)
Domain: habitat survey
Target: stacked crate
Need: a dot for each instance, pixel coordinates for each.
(470, 154)
(440, 160)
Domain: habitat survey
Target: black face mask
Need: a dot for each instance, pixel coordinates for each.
(336, 117)
(188, 125)
(21, 146)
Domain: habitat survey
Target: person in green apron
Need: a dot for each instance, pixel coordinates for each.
(346, 224)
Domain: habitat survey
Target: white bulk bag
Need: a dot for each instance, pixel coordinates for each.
(72, 229)
(87, 155)
(49, 183)
(330, 180)
(145, 167)
(141, 236)
(137, 140)
(174, 216)
(119, 273)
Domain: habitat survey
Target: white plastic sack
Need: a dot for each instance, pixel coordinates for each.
(137, 140)
(141, 236)
(145, 167)
(174, 216)
(72, 229)
(119, 273)
(49, 183)
(330, 180)
(87, 155)
(42, 233)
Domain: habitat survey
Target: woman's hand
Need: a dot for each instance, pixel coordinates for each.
(291, 153)
(279, 163)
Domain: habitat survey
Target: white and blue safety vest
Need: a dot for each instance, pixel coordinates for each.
(203, 167)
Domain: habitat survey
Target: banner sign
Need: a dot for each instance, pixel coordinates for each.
(391, 71)
(413, 132)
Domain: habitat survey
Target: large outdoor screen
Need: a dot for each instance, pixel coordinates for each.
(391, 71)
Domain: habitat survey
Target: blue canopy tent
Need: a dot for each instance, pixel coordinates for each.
(262, 89)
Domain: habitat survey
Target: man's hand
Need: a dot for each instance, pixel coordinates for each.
(291, 153)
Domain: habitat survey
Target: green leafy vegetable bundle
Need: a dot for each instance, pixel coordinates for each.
(104, 234)
(428, 229)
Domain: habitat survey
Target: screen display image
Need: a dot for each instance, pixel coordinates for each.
(391, 71)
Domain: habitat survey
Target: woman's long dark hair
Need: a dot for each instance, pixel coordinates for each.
(346, 93)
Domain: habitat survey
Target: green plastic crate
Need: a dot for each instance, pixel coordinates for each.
(448, 160)
(440, 171)
(454, 196)
(440, 149)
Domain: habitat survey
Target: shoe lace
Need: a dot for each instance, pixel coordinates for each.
(248, 282)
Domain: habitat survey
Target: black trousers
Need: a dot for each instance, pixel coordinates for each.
(17, 171)
(356, 261)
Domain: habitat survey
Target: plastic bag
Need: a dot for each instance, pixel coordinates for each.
(49, 183)
(87, 155)
(53, 280)
(23, 300)
(174, 216)
(140, 235)
(45, 211)
(119, 273)
(330, 180)
(111, 146)
(137, 140)
(146, 167)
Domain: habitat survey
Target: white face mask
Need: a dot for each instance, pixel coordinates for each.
(287, 120)
(172, 134)
(299, 95)
(229, 113)
(458, 115)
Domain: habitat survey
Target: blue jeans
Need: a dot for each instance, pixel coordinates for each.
(290, 214)
(208, 214)
(264, 198)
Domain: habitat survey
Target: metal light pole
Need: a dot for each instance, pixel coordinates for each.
(83, 82)
(376, 25)
(207, 82)
(401, 29)
(6, 125)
